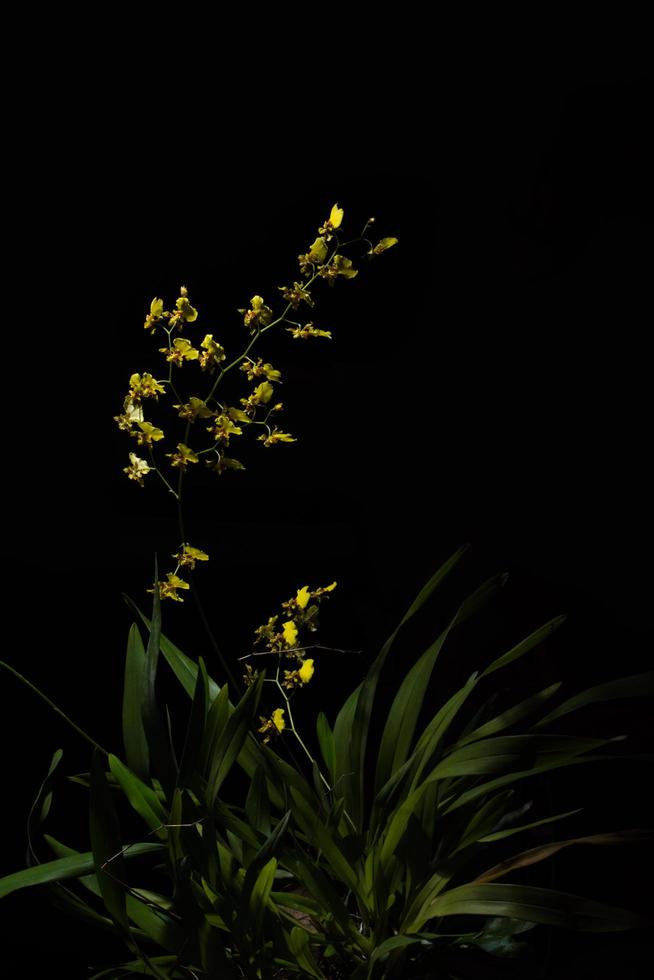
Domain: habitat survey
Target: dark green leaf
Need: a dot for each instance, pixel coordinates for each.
(41, 806)
(106, 846)
(637, 685)
(134, 740)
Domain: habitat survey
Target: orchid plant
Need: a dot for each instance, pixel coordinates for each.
(366, 860)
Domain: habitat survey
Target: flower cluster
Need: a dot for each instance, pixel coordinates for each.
(186, 557)
(221, 420)
(208, 424)
(281, 636)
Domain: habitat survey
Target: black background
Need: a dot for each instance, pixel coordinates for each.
(488, 382)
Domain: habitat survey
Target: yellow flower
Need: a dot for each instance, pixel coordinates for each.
(383, 245)
(262, 393)
(303, 596)
(257, 370)
(144, 386)
(182, 457)
(259, 315)
(133, 409)
(332, 223)
(324, 589)
(339, 266)
(182, 350)
(266, 633)
(306, 671)
(137, 468)
(260, 396)
(223, 428)
(275, 436)
(278, 719)
(224, 463)
(185, 313)
(155, 314)
(289, 632)
(315, 256)
(168, 590)
(308, 330)
(133, 412)
(194, 409)
(188, 556)
(213, 353)
(238, 415)
(296, 294)
(272, 726)
(148, 434)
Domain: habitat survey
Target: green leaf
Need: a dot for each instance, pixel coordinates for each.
(483, 820)
(536, 854)
(257, 805)
(321, 838)
(41, 806)
(533, 640)
(463, 798)
(194, 741)
(231, 740)
(259, 897)
(185, 670)
(152, 918)
(156, 969)
(268, 849)
(159, 750)
(434, 582)
(509, 753)
(509, 832)
(509, 717)
(60, 870)
(321, 888)
(351, 742)
(637, 685)
(299, 945)
(435, 732)
(106, 846)
(403, 716)
(217, 719)
(142, 798)
(326, 742)
(393, 943)
(531, 904)
(134, 740)
(498, 935)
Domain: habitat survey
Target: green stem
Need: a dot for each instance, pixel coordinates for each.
(54, 707)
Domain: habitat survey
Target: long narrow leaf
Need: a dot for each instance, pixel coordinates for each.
(134, 740)
(509, 717)
(637, 685)
(357, 736)
(185, 670)
(149, 910)
(326, 742)
(533, 640)
(107, 846)
(41, 806)
(536, 854)
(62, 869)
(403, 715)
(321, 838)
(142, 797)
(232, 739)
(532, 904)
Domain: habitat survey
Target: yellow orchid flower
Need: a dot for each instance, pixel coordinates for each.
(305, 672)
(289, 632)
